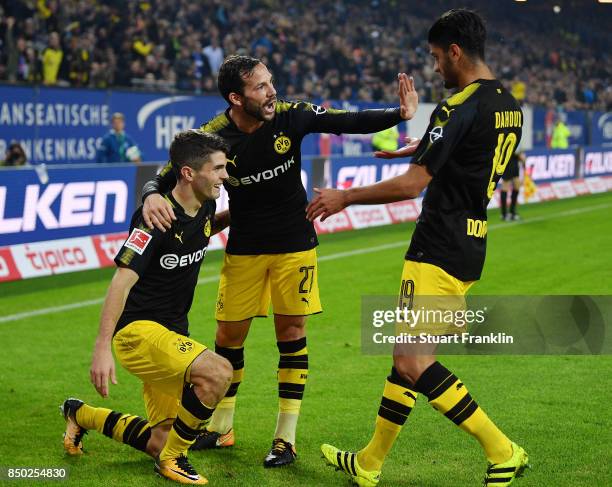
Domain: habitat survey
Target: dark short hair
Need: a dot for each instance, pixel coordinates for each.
(232, 73)
(462, 27)
(193, 148)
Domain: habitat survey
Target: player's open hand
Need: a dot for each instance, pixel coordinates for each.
(102, 369)
(410, 148)
(157, 212)
(408, 96)
(327, 203)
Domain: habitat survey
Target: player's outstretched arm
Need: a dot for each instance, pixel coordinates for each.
(405, 186)
(103, 363)
(315, 119)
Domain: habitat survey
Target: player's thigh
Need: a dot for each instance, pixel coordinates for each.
(244, 287)
(420, 278)
(294, 284)
(157, 356)
(435, 293)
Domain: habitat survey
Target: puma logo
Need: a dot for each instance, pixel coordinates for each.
(306, 301)
(447, 111)
(459, 386)
(233, 161)
(179, 237)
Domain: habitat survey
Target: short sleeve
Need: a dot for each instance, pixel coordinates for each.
(448, 125)
(139, 247)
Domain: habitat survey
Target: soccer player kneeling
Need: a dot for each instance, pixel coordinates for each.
(145, 318)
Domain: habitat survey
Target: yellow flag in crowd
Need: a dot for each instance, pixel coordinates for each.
(529, 187)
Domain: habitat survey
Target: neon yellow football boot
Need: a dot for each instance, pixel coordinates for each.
(503, 474)
(347, 462)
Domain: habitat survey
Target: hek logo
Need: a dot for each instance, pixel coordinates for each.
(435, 134)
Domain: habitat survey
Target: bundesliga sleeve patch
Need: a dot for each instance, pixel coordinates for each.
(138, 241)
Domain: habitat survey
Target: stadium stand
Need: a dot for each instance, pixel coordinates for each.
(317, 49)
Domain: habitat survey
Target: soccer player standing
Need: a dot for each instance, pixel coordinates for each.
(511, 180)
(469, 141)
(145, 317)
(270, 254)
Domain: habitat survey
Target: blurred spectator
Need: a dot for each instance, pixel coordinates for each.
(52, 57)
(11, 50)
(116, 145)
(386, 140)
(518, 90)
(214, 54)
(15, 155)
(560, 135)
(184, 69)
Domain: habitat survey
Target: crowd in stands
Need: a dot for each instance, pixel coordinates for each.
(320, 49)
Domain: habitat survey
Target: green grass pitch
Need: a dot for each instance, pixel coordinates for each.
(557, 407)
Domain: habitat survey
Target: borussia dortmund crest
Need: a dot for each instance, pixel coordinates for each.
(282, 144)
(184, 346)
(207, 228)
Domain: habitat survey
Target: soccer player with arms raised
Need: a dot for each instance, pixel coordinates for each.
(469, 141)
(270, 254)
(145, 318)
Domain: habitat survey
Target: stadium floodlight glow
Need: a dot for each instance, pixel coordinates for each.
(556, 9)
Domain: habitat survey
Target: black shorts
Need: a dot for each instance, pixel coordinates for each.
(512, 170)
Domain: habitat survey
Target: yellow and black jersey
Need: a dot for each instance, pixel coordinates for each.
(167, 264)
(267, 200)
(470, 139)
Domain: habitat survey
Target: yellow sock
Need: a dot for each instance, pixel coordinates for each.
(124, 428)
(396, 404)
(92, 418)
(448, 395)
(292, 376)
(191, 419)
(223, 418)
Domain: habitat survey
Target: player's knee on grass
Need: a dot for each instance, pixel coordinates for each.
(211, 376)
(159, 434)
(289, 328)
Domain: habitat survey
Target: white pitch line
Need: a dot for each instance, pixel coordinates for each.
(52, 309)
(323, 258)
